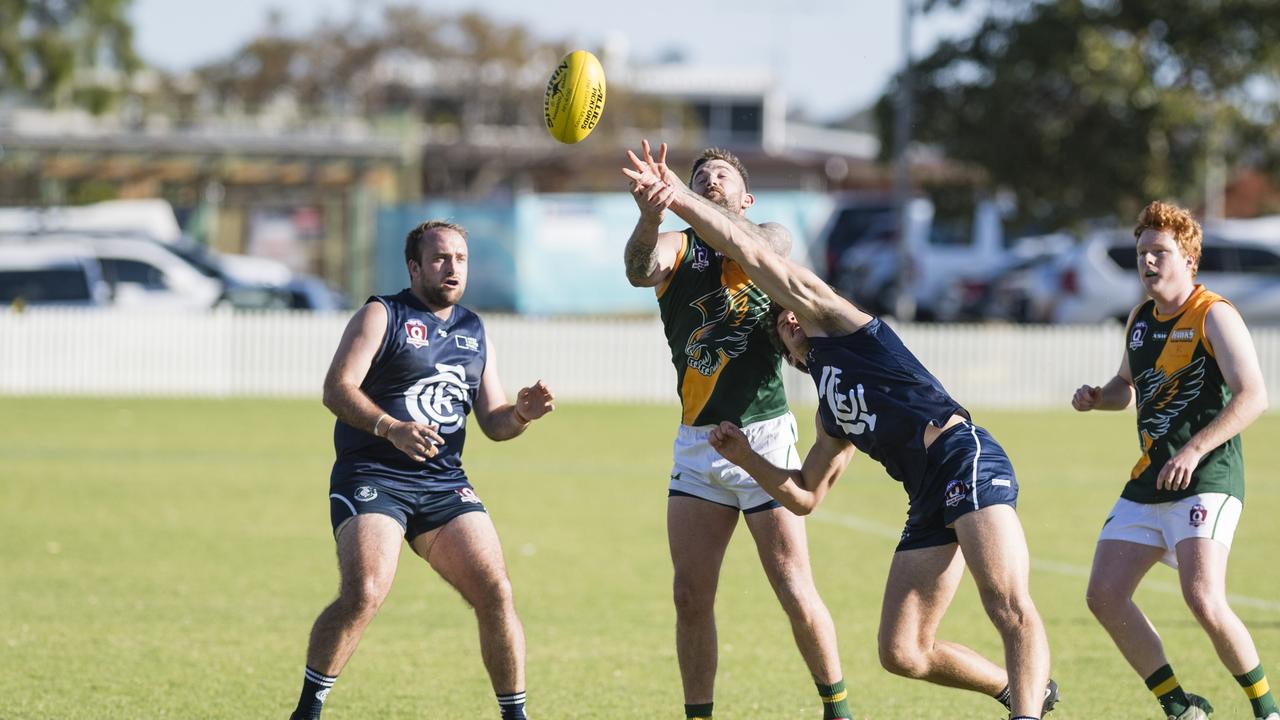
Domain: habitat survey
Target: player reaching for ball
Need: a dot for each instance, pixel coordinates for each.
(714, 318)
(1192, 368)
(408, 370)
(874, 395)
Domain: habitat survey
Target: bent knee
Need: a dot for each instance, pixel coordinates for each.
(1011, 611)
(1209, 609)
(493, 594)
(906, 660)
(1100, 602)
(363, 598)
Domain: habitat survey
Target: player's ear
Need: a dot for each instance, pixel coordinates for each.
(748, 200)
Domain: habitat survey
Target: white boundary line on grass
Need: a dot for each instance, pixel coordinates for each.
(878, 529)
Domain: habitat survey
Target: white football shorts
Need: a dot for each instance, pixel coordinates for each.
(1164, 525)
(701, 472)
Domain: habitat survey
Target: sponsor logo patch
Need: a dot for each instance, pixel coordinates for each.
(364, 493)
(1199, 514)
(1183, 335)
(322, 694)
(415, 333)
(467, 343)
(956, 490)
(1137, 335)
(468, 495)
(1002, 482)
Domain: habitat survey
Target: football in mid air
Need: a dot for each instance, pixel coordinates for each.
(575, 97)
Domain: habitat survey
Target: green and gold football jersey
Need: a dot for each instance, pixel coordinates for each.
(1180, 390)
(714, 318)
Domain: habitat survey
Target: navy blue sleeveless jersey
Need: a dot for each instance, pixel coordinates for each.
(427, 370)
(875, 393)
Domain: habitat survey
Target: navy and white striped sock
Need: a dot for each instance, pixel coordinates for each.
(512, 706)
(315, 688)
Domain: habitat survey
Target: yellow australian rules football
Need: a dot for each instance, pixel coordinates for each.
(575, 97)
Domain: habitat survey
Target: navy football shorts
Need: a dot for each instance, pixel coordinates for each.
(966, 470)
(417, 511)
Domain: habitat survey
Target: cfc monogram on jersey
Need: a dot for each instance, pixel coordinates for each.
(1179, 389)
(427, 370)
(875, 393)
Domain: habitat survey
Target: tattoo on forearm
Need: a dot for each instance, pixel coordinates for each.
(641, 260)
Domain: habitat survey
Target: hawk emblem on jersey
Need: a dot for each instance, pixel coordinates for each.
(441, 399)
(1163, 397)
(728, 318)
(848, 408)
(415, 333)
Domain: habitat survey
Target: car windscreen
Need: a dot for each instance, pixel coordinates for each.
(46, 285)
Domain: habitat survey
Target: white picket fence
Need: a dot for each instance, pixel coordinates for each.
(286, 354)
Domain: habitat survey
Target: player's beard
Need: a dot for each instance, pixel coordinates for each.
(440, 296)
(720, 199)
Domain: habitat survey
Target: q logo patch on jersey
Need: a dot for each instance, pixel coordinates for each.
(1137, 335)
(415, 333)
(441, 399)
(1199, 514)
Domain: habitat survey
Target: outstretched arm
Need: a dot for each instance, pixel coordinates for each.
(799, 491)
(753, 247)
(650, 256)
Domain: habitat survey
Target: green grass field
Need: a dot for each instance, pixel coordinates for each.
(165, 559)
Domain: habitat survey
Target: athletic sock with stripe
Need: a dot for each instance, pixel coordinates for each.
(315, 688)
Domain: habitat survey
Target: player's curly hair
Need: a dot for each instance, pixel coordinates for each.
(413, 241)
(715, 153)
(1178, 221)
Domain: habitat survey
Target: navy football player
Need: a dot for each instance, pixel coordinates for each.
(409, 369)
(875, 396)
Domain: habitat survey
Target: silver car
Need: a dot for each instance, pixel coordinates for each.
(1098, 280)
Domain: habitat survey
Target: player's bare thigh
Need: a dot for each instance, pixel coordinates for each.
(467, 553)
(368, 548)
(918, 591)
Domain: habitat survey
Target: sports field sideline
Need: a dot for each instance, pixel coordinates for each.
(165, 559)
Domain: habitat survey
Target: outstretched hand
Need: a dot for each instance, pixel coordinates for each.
(534, 401)
(652, 178)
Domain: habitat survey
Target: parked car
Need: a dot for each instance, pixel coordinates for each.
(1098, 280)
(862, 256)
(59, 274)
(183, 274)
(1023, 289)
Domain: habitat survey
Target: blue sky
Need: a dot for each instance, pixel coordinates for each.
(833, 56)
